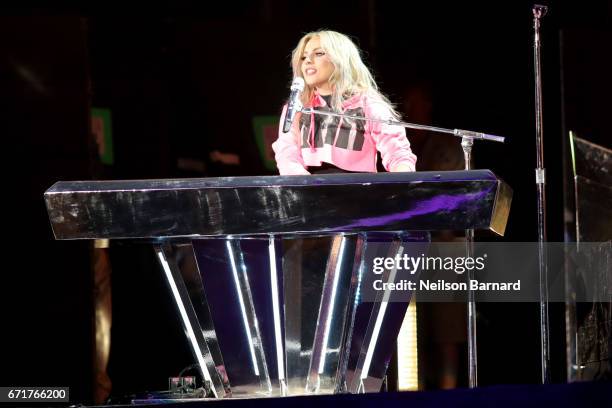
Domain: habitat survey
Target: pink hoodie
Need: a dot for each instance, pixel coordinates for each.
(350, 145)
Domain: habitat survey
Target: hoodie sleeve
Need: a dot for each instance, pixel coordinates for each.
(390, 140)
(287, 151)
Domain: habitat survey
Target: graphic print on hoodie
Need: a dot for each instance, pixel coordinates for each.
(344, 133)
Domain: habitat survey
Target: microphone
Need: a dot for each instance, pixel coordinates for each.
(294, 102)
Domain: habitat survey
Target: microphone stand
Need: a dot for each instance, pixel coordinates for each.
(467, 141)
(539, 11)
(467, 134)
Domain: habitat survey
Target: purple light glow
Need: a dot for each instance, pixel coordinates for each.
(429, 206)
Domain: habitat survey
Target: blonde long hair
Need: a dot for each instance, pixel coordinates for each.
(350, 76)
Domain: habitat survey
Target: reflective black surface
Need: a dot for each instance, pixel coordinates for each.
(278, 205)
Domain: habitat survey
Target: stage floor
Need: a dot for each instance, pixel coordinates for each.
(586, 394)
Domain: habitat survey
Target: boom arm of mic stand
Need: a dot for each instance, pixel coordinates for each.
(455, 132)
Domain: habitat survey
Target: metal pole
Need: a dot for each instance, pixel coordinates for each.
(466, 144)
(455, 132)
(538, 12)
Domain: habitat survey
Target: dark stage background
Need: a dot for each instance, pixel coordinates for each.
(186, 81)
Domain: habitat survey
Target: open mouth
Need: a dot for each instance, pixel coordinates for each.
(310, 71)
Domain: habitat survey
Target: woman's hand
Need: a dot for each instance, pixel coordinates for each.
(402, 167)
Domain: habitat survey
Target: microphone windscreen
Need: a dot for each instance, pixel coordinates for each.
(297, 84)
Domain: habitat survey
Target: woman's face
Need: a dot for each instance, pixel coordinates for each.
(317, 67)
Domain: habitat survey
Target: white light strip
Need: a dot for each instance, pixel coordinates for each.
(276, 311)
(407, 352)
(331, 307)
(242, 307)
(187, 324)
(379, 320)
